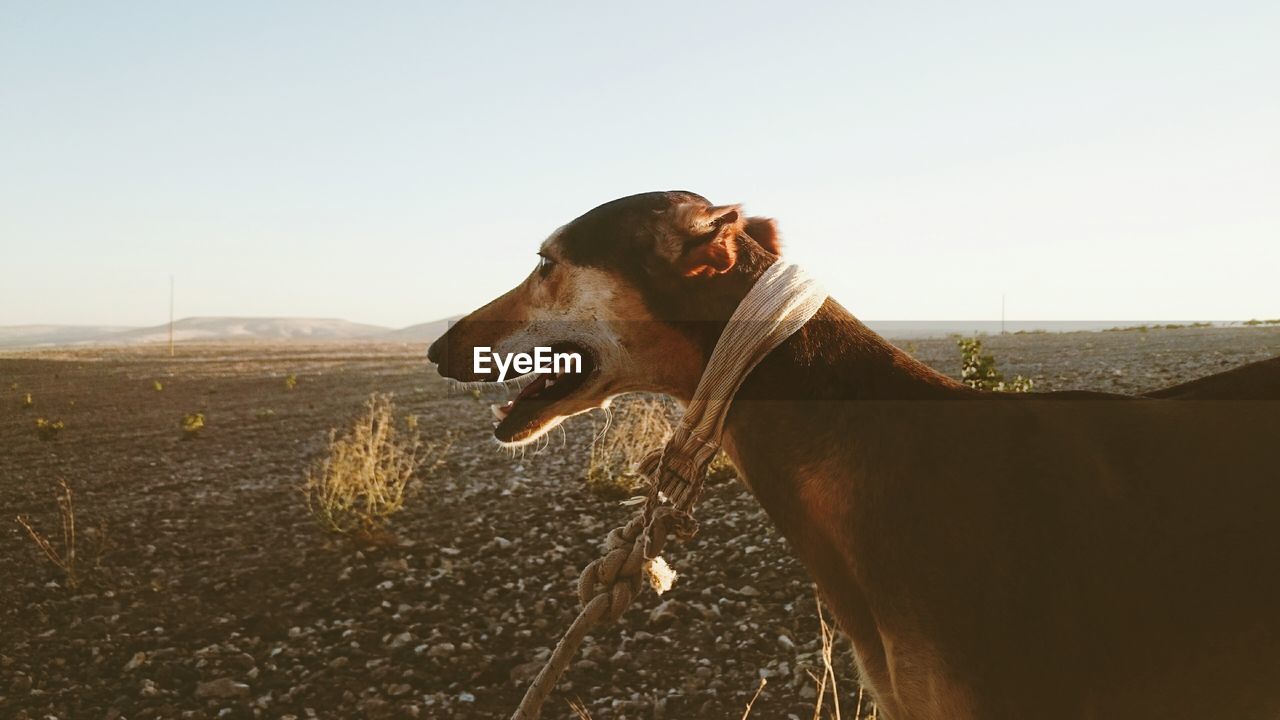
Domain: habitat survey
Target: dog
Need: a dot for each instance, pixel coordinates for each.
(990, 555)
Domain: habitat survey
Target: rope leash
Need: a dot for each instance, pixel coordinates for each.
(781, 301)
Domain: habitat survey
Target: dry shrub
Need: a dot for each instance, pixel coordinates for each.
(66, 559)
(634, 426)
(48, 429)
(192, 424)
(979, 371)
(363, 478)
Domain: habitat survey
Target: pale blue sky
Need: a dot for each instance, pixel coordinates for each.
(399, 162)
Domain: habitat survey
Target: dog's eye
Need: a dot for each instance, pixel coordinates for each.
(544, 265)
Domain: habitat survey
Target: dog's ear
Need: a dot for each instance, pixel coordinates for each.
(765, 232)
(708, 239)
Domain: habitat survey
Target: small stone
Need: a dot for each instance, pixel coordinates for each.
(786, 643)
(666, 612)
(524, 672)
(398, 690)
(400, 641)
(135, 662)
(440, 650)
(748, 591)
(223, 688)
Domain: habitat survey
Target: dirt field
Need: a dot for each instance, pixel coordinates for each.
(207, 591)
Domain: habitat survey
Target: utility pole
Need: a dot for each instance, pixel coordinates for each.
(170, 316)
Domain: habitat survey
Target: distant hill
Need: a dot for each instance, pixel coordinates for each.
(209, 329)
(53, 335)
(422, 332)
(195, 329)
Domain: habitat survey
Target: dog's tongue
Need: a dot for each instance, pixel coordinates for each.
(539, 384)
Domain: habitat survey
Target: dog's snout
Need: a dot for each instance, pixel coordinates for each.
(443, 354)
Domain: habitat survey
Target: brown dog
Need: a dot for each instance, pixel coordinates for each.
(1055, 555)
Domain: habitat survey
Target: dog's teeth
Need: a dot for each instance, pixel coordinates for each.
(550, 381)
(500, 412)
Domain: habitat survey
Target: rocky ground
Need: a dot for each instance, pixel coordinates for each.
(205, 589)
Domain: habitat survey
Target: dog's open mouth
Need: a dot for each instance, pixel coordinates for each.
(532, 409)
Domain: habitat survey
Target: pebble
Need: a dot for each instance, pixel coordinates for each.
(444, 649)
(135, 662)
(222, 688)
(666, 613)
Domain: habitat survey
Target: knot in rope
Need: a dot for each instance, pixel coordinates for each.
(609, 583)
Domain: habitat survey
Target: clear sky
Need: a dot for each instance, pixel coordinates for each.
(400, 162)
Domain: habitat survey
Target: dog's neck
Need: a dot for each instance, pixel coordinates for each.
(833, 357)
(796, 433)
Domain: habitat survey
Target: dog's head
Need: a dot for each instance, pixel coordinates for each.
(639, 288)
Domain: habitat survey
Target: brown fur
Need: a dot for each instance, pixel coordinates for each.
(1058, 555)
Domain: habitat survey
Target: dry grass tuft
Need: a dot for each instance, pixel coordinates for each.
(65, 560)
(828, 670)
(192, 424)
(759, 689)
(579, 710)
(631, 429)
(48, 429)
(364, 477)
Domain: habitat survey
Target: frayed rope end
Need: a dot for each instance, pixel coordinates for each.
(661, 575)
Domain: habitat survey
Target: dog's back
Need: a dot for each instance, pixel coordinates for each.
(1255, 381)
(1101, 558)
